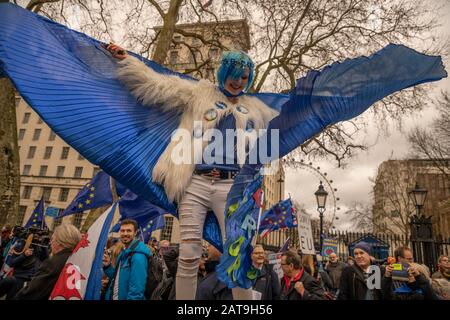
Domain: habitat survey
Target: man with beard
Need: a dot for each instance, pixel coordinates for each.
(129, 275)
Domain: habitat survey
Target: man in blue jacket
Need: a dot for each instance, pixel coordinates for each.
(129, 275)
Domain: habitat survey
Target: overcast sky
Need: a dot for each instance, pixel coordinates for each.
(353, 182)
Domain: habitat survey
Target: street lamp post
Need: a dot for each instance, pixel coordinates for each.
(422, 230)
(418, 195)
(321, 198)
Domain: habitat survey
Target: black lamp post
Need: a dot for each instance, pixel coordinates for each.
(321, 198)
(422, 230)
(418, 195)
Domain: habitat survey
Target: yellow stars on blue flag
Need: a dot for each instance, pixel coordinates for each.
(37, 217)
(94, 194)
(277, 217)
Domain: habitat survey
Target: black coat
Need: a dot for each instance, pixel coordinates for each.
(334, 270)
(211, 288)
(26, 266)
(353, 285)
(268, 284)
(41, 286)
(313, 290)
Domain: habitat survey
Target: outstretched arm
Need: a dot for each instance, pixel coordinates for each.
(149, 86)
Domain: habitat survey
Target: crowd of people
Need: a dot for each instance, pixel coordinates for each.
(134, 270)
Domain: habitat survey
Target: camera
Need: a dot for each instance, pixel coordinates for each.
(400, 272)
(40, 237)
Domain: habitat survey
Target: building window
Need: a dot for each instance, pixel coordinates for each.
(60, 171)
(26, 170)
(63, 194)
(21, 134)
(31, 152)
(48, 152)
(26, 118)
(46, 192)
(43, 171)
(21, 216)
(213, 54)
(26, 193)
(395, 214)
(173, 57)
(198, 57)
(52, 136)
(96, 170)
(166, 233)
(77, 219)
(37, 134)
(80, 157)
(17, 98)
(78, 172)
(65, 153)
(176, 42)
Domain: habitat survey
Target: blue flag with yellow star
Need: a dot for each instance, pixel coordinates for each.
(97, 193)
(280, 216)
(37, 217)
(153, 224)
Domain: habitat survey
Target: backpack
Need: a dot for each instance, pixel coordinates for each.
(163, 291)
(154, 272)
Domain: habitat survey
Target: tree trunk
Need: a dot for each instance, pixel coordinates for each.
(167, 31)
(9, 155)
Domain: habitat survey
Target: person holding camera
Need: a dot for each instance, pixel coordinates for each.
(407, 280)
(64, 239)
(24, 259)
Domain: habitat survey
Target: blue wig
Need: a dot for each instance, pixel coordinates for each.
(233, 65)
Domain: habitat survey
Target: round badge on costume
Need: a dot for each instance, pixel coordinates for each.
(242, 109)
(221, 105)
(210, 115)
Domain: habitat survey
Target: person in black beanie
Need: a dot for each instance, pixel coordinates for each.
(353, 284)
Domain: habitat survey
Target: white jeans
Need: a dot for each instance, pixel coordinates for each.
(202, 194)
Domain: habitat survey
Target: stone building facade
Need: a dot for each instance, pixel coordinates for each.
(393, 207)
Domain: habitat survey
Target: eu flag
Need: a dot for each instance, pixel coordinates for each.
(280, 216)
(37, 217)
(95, 194)
(131, 206)
(152, 225)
